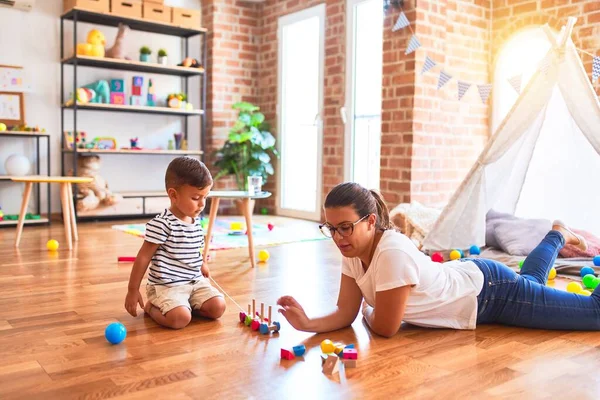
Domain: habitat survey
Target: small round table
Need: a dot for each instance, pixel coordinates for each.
(216, 196)
(66, 199)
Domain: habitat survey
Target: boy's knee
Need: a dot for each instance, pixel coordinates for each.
(179, 317)
(214, 308)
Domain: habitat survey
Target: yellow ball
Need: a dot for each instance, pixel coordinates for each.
(263, 256)
(236, 226)
(552, 274)
(574, 287)
(585, 293)
(52, 245)
(454, 255)
(2, 127)
(327, 346)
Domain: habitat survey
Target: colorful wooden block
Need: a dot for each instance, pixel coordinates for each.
(136, 90)
(137, 81)
(324, 358)
(286, 354)
(248, 320)
(338, 348)
(255, 325)
(349, 346)
(242, 314)
(349, 363)
(117, 85)
(299, 350)
(151, 100)
(117, 98)
(136, 100)
(331, 365)
(350, 354)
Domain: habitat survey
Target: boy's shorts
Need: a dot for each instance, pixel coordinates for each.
(191, 295)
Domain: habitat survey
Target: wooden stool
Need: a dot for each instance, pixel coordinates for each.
(66, 199)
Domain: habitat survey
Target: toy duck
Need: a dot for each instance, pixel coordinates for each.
(94, 46)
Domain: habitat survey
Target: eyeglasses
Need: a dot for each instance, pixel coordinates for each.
(346, 229)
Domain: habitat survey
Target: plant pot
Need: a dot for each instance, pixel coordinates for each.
(144, 57)
(239, 204)
(163, 60)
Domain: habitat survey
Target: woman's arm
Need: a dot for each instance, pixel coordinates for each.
(348, 305)
(386, 319)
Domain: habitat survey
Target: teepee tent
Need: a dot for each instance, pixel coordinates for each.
(543, 161)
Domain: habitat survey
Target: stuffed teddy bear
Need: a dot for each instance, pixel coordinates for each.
(92, 195)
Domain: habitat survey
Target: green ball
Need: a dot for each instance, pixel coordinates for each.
(595, 283)
(521, 264)
(264, 211)
(588, 281)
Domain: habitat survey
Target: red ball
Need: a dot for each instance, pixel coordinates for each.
(437, 257)
(270, 226)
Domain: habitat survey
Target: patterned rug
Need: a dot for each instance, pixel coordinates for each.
(224, 238)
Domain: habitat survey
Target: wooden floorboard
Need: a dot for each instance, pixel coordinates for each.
(54, 308)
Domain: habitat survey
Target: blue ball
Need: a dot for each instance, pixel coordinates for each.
(597, 261)
(475, 250)
(462, 254)
(586, 271)
(115, 333)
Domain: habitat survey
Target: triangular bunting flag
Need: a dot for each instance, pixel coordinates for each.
(462, 89)
(402, 22)
(595, 68)
(515, 82)
(429, 63)
(412, 45)
(545, 64)
(484, 91)
(444, 78)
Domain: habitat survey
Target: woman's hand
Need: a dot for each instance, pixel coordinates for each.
(293, 312)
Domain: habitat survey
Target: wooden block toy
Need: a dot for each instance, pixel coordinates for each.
(350, 354)
(255, 325)
(331, 365)
(259, 323)
(137, 81)
(349, 363)
(299, 350)
(136, 101)
(248, 320)
(338, 348)
(136, 90)
(117, 85)
(286, 354)
(151, 100)
(117, 98)
(349, 346)
(327, 346)
(242, 317)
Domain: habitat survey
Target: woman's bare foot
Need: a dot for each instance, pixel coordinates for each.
(569, 235)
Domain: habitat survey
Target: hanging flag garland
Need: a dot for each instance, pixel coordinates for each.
(443, 79)
(515, 82)
(462, 88)
(595, 68)
(413, 44)
(402, 22)
(484, 91)
(429, 63)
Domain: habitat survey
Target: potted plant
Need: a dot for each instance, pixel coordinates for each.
(162, 56)
(145, 53)
(248, 149)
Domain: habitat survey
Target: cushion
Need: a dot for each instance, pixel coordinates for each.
(570, 251)
(519, 237)
(492, 219)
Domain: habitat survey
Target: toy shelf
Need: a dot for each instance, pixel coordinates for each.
(131, 207)
(134, 109)
(130, 65)
(137, 24)
(24, 133)
(140, 152)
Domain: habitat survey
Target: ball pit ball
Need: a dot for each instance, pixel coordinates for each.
(574, 287)
(2, 127)
(327, 346)
(264, 211)
(115, 333)
(588, 281)
(595, 283)
(263, 256)
(587, 271)
(552, 274)
(585, 293)
(521, 264)
(454, 255)
(475, 250)
(462, 254)
(52, 245)
(437, 257)
(597, 261)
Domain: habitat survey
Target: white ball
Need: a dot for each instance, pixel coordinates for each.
(17, 165)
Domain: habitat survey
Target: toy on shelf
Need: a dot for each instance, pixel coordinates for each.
(94, 47)
(177, 100)
(80, 140)
(184, 144)
(162, 57)
(136, 91)
(1, 214)
(26, 128)
(145, 53)
(190, 63)
(96, 193)
(95, 92)
(151, 97)
(117, 50)
(117, 92)
(178, 137)
(134, 143)
(104, 143)
(259, 322)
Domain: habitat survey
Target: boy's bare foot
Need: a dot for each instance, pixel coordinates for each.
(569, 235)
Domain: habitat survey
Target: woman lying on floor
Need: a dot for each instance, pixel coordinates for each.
(399, 283)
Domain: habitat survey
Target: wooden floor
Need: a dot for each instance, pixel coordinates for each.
(54, 308)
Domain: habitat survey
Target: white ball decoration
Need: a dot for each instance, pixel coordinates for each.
(17, 165)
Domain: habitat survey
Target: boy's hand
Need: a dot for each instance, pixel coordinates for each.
(134, 297)
(205, 271)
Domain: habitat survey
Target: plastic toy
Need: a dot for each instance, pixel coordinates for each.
(102, 90)
(52, 245)
(299, 350)
(178, 137)
(94, 46)
(126, 259)
(585, 293)
(286, 354)
(350, 354)
(327, 346)
(552, 274)
(474, 250)
(2, 127)
(454, 255)
(264, 211)
(117, 99)
(588, 280)
(587, 271)
(151, 97)
(437, 257)
(134, 143)
(1, 214)
(259, 322)
(597, 261)
(574, 287)
(263, 256)
(117, 50)
(115, 333)
(190, 63)
(136, 100)
(270, 227)
(117, 86)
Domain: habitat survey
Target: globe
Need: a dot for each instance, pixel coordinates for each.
(17, 165)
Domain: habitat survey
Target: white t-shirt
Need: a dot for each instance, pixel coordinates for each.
(443, 295)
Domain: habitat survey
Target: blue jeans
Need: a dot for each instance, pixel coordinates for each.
(524, 300)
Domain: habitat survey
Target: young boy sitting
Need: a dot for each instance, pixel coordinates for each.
(177, 282)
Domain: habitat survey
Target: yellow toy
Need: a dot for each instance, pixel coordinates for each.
(94, 47)
(454, 255)
(552, 274)
(52, 245)
(263, 256)
(574, 287)
(327, 346)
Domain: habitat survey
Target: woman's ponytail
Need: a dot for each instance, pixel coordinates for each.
(383, 213)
